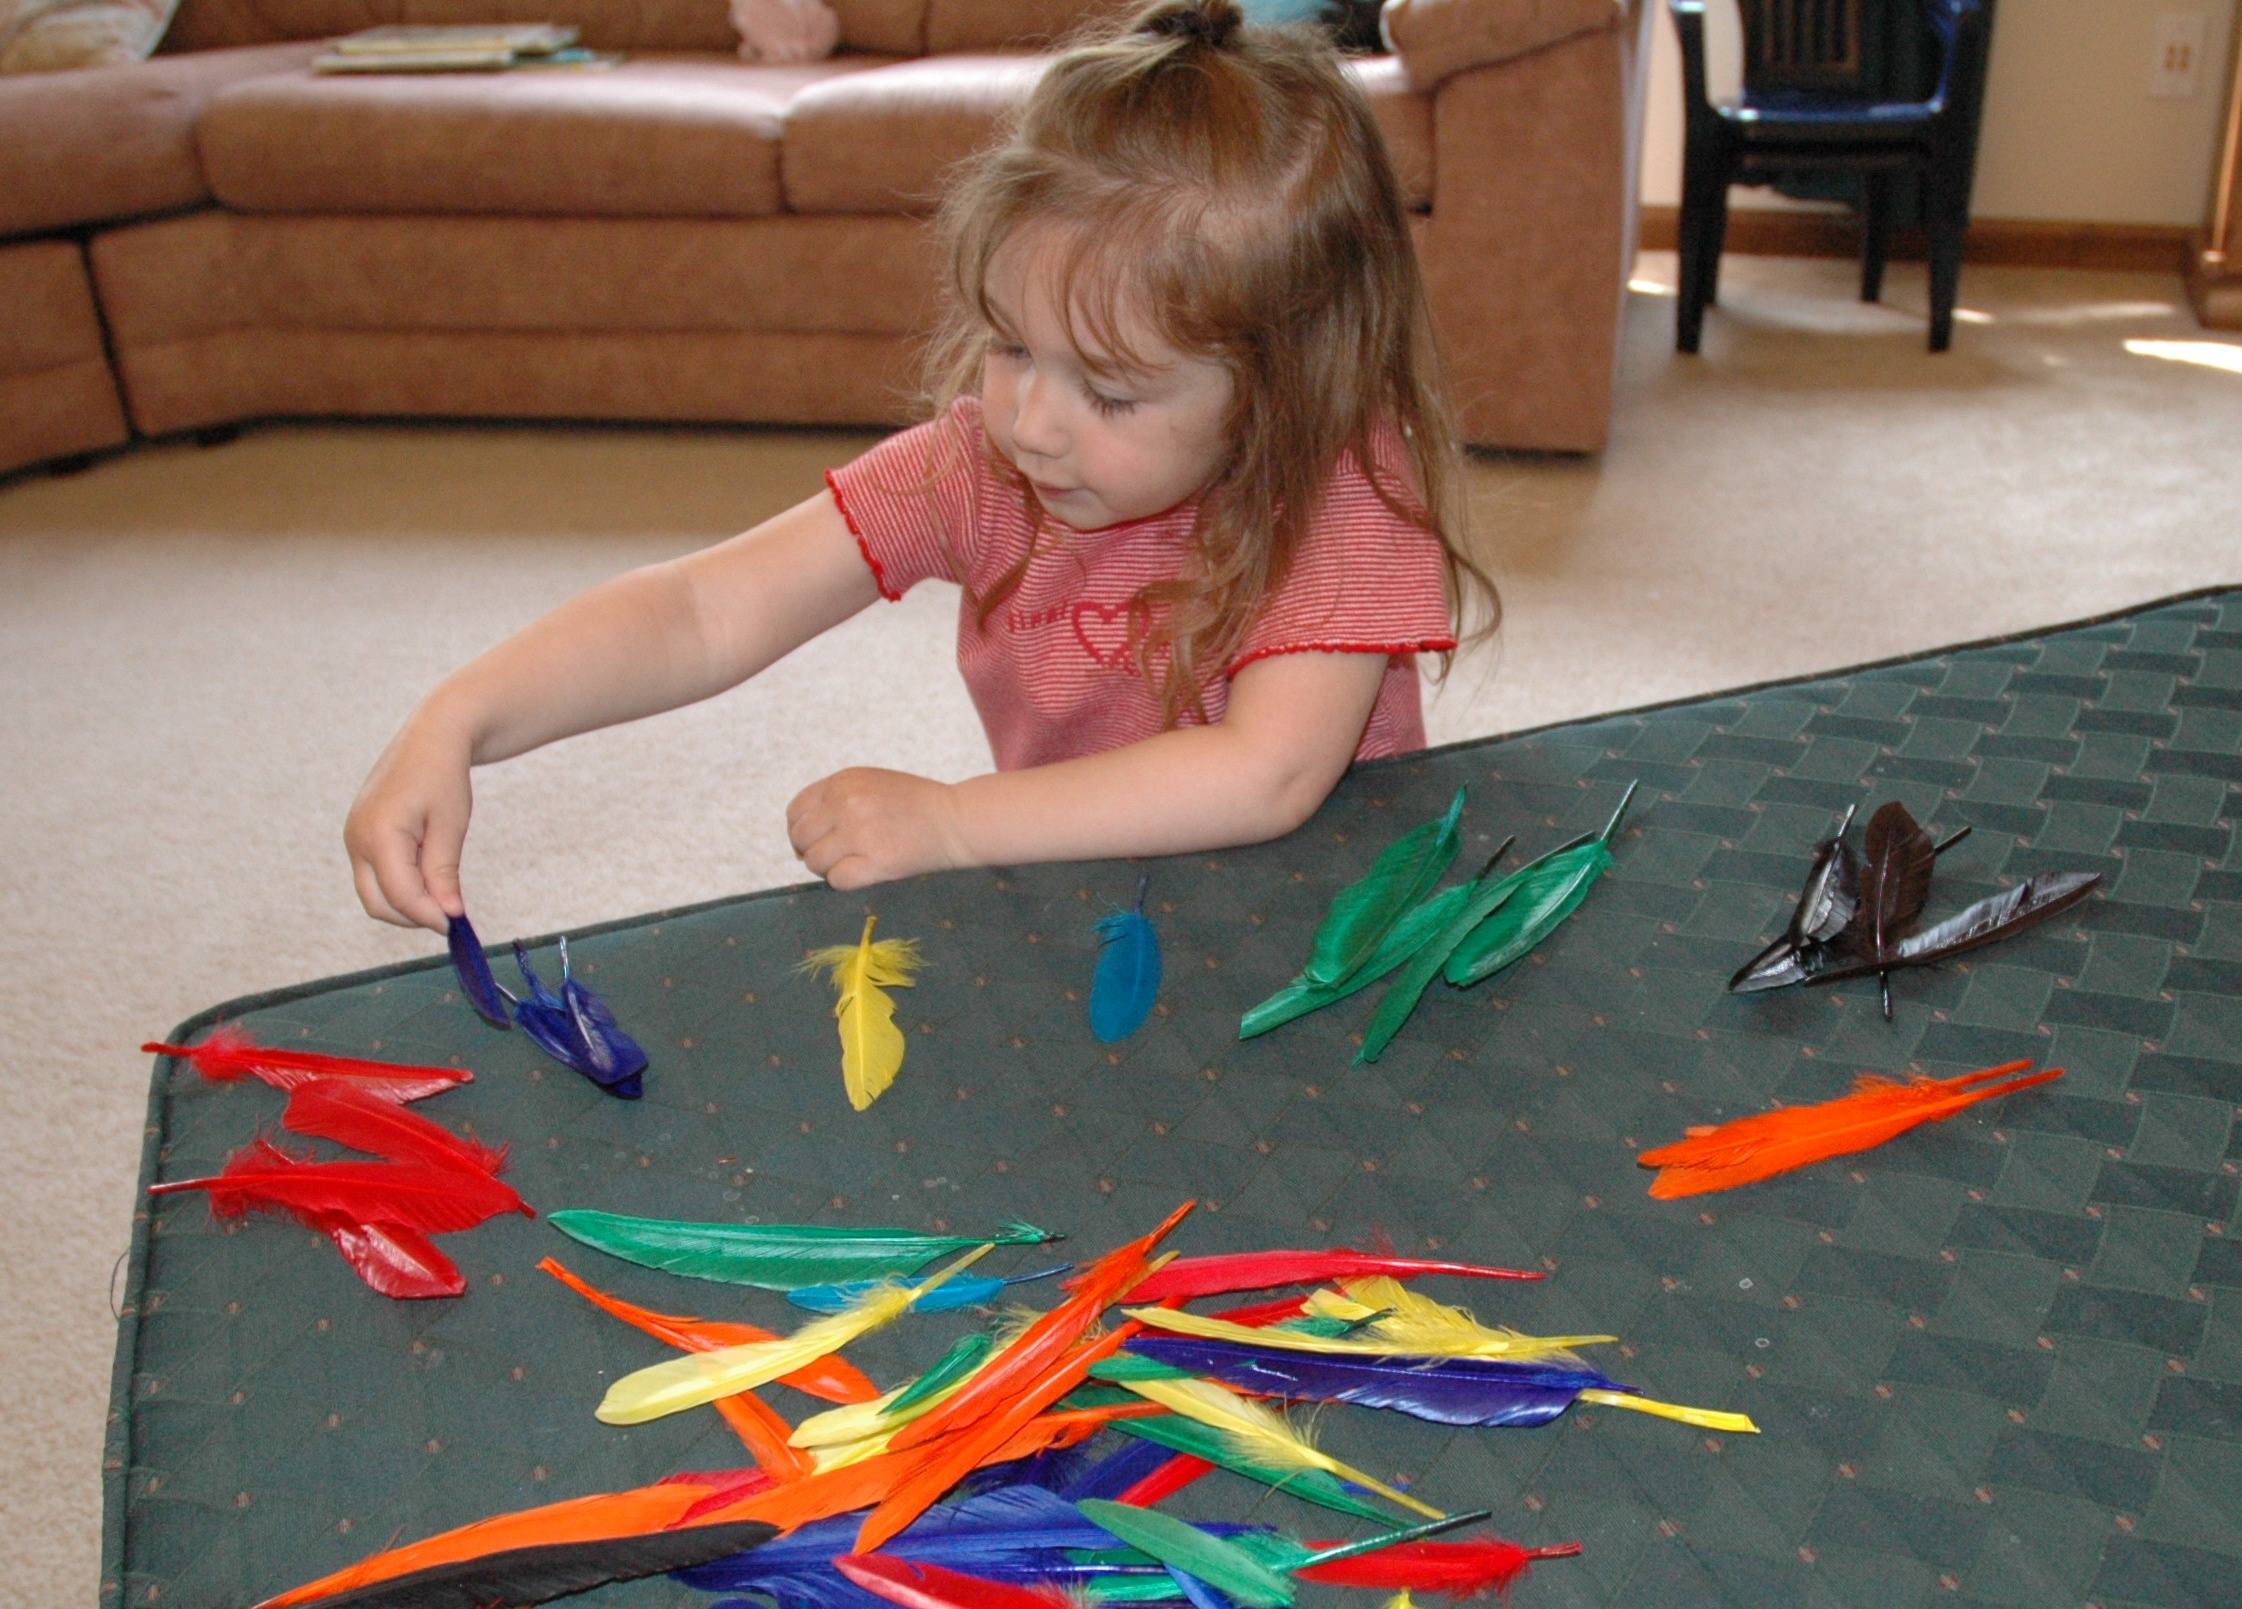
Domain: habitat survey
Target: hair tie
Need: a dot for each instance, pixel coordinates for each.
(1205, 22)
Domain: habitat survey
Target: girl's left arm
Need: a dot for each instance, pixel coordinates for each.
(1287, 736)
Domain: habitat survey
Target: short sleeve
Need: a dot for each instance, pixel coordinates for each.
(1364, 580)
(911, 502)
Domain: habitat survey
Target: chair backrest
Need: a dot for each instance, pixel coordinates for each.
(1802, 44)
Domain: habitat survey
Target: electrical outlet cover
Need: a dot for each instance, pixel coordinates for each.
(2176, 57)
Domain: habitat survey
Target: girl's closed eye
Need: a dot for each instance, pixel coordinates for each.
(1108, 405)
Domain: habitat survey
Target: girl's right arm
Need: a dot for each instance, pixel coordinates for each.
(651, 640)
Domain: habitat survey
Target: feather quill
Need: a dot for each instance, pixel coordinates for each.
(862, 973)
(1258, 1435)
(408, 1195)
(1188, 1278)
(831, 1378)
(1221, 1564)
(1363, 912)
(336, 1109)
(667, 1388)
(229, 1054)
(1448, 1391)
(1453, 1335)
(1402, 940)
(1127, 981)
(532, 1555)
(1768, 1143)
(967, 1290)
(778, 1257)
(472, 967)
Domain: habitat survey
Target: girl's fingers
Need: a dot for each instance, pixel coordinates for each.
(370, 896)
(397, 871)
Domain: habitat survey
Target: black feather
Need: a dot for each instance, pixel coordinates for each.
(554, 1570)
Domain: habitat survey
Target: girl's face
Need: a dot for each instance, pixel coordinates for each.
(1099, 442)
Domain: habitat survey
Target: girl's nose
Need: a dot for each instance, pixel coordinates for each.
(1036, 426)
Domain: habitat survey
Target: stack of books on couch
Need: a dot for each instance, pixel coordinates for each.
(469, 48)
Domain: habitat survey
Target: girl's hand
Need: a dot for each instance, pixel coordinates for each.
(864, 826)
(406, 829)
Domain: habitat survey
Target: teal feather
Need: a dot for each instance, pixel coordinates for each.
(1299, 997)
(1127, 981)
(1222, 1565)
(779, 1257)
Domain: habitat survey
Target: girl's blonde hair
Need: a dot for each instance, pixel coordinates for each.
(1227, 187)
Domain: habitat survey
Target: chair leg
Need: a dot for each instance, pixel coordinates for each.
(1876, 222)
(1946, 221)
(1716, 241)
(1704, 185)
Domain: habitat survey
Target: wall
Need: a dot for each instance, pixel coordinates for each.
(2070, 133)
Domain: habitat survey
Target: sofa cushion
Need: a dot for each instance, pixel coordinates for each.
(955, 25)
(658, 136)
(114, 142)
(897, 27)
(884, 141)
(1440, 38)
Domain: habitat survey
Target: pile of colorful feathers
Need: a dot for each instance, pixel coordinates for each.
(1021, 1470)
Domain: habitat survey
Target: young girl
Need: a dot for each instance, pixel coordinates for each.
(1189, 472)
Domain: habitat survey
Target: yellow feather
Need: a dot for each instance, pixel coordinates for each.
(1458, 1336)
(1403, 1321)
(853, 1452)
(1703, 1418)
(871, 1044)
(1261, 1434)
(699, 1377)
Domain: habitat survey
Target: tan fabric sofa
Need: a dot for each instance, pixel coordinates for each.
(685, 237)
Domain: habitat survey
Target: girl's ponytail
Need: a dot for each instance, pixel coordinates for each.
(1212, 23)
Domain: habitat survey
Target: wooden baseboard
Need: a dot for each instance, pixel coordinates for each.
(2012, 242)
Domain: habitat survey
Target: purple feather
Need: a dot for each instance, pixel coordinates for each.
(577, 1030)
(1448, 1391)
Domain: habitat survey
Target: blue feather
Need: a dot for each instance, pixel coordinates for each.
(1448, 1391)
(577, 1030)
(1198, 1593)
(473, 967)
(963, 1290)
(1113, 1475)
(1128, 976)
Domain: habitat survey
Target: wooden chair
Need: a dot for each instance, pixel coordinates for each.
(1803, 110)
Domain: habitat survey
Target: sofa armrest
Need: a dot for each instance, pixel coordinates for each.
(1437, 39)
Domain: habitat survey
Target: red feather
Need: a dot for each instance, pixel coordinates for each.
(1457, 1569)
(1188, 1278)
(1263, 1314)
(230, 1054)
(1767, 1143)
(929, 1586)
(1169, 1479)
(396, 1262)
(433, 1200)
(350, 1114)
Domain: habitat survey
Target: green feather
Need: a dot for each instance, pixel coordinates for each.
(1365, 910)
(1545, 897)
(777, 1257)
(1123, 1367)
(1229, 1570)
(1204, 1441)
(1550, 889)
(1299, 997)
(1402, 996)
(952, 1366)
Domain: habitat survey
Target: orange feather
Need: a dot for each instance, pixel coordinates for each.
(828, 1378)
(1000, 1382)
(1767, 1143)
(982, 1442)
(764, 1434)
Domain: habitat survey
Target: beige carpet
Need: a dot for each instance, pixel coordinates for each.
(201, 651)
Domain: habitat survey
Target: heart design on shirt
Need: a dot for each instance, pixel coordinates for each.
(1107, 631)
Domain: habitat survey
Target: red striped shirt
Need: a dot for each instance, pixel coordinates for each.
(1054, 673)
